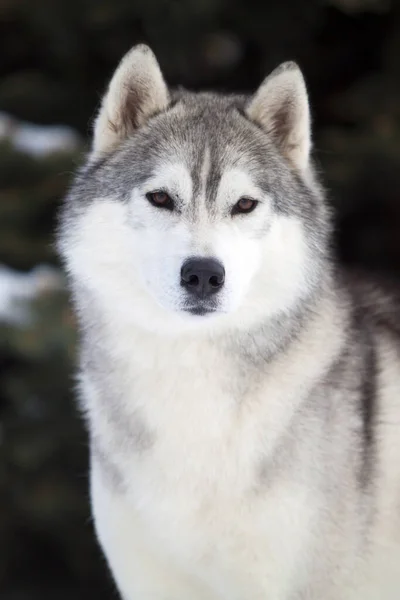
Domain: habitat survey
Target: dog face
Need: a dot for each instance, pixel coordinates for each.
(197, 210)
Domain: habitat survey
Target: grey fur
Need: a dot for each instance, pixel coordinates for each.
(129, 429)
(113, 475)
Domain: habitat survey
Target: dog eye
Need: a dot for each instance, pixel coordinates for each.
(160, 199)
(244, 205)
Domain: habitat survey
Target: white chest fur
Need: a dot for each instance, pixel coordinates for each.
(191, 508)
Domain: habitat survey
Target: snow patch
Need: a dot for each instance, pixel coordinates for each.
(18, 290)
(38, 140)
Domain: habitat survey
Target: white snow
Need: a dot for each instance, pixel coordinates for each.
(38, 140)
(18, 290)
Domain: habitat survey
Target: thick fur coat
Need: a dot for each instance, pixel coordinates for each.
(242, 392)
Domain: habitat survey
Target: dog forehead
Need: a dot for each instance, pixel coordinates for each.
(186, 132)
(199, 156)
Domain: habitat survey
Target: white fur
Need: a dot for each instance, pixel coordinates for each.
(140, 270)
(192, 523)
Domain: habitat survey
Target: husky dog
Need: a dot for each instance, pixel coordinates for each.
(242, 392)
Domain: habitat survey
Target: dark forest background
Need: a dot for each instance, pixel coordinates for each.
(55, 59)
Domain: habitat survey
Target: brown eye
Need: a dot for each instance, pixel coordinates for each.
(160, 199)
(244, 205)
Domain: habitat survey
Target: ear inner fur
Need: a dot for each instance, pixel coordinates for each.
(280, 107)
(136, 92)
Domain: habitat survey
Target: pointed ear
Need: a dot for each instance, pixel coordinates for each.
(280, 107)
(136, 92)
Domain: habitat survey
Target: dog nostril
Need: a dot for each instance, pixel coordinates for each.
(193, 281)
(215, 281)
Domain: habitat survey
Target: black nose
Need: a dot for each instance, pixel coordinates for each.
(202, 277)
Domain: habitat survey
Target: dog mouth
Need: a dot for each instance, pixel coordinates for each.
(200, 310)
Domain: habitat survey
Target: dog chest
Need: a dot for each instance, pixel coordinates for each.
(197, 488)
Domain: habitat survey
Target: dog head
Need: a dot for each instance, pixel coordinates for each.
(197, 210)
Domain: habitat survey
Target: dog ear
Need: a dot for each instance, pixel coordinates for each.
(280, 107)
(136, 92)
